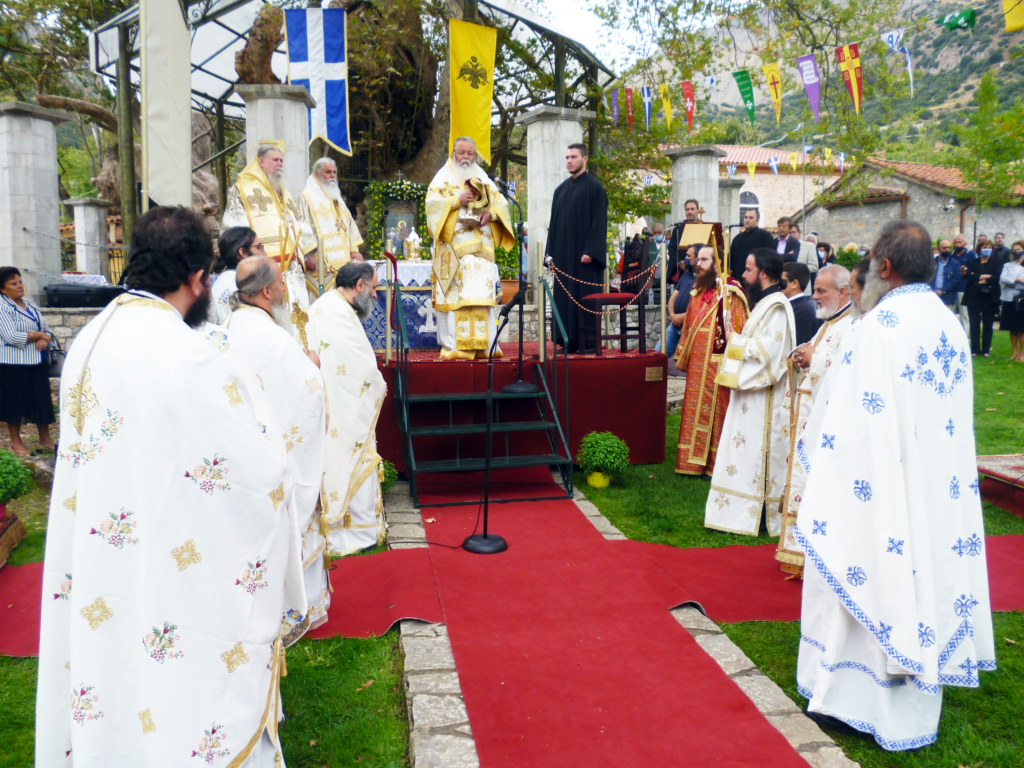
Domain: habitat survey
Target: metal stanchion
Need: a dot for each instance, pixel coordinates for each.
(663, 257)
(540, 301)
(387, 310)
(321, 272)
(607, 319)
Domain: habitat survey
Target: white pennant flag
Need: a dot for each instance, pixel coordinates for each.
(711, 83)
(894, 39)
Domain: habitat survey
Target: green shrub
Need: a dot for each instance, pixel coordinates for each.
(14, 477)
(847, 258)
(603, 452)
(507, 261)
(390, 477)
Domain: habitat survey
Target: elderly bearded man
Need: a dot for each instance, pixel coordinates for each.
(351, 499)
(895, 594)
(468, 218)
(260, 327)
(810, 363)
(716, 311)
(751, 468)
(258, 200)
(323, 210)
(172, 553)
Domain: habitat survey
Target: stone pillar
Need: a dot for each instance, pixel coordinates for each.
(695, 175)
(29, 197)
(91, 252)
(729, 201)
(549, 132)
(279, 114)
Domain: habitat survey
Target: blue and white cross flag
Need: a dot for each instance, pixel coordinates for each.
(317, 40)
(645, 92)
(512, 187)
(773, 163)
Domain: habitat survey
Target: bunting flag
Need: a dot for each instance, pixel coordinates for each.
(808, 68)
(746, 87)
(731, 170)
(842, 162)
(828, 154)
(853, 160)
(666, 104)
(751, 167)
(711, 83)
(1013, 10)
(808, 149)
(647, 180)
(793, 158)
(774, 82)
(849, 62)
(894, 40)
(773, 163)
(961, 20)
(629, 108)
(645, 92)
(471, 48)
(615, 106)
(512, 187)
(689, 101)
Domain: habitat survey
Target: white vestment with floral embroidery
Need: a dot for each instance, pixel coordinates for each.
(224, 288)
(300, 416)
(750, 470)
(895, 599)
(172, 552)
(351, 500)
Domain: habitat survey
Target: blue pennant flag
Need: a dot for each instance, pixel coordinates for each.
(731, 170)
(512, 187)
(646, 93)
(773, 162)
(317, 40)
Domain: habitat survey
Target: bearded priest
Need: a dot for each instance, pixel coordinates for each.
(895, 593)
(716, 311)
(323, 210)
(751, 468)
(810, 363)
(172, 551)
(261, 327)
(351, 499)
(259, 200)
(468, 218)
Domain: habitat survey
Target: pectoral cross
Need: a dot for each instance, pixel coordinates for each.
(299, 318)
(700, 214)
(257, 199)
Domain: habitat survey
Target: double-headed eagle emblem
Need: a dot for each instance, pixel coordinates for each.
(473, 72)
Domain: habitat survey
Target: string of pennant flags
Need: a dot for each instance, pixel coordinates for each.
(847, 57)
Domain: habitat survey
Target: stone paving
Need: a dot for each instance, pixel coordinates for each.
(439, 731)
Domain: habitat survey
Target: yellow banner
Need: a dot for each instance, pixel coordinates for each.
(828, 154)
(793, 159)
(773, 79)
(751, 167)
(1014, 12)
(471, 52)
(666, 104)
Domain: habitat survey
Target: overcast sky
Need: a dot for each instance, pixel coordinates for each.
(586, 29)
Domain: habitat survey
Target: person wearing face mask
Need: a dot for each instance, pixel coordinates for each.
(826, 255)
(981, 296)
(948, 280)
(1011, 281)
(965, 255)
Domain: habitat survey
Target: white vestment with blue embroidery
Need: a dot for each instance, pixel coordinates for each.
(895, 600)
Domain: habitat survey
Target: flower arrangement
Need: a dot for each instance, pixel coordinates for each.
(379, 195)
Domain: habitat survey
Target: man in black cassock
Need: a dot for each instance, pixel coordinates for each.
(577, 241)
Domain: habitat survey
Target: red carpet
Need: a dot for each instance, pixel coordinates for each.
(567, 658)
(372, 592)
(1005, 556)
(20, 594)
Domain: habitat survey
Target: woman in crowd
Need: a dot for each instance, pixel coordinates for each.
(1011, 279)
(24, 377)
(981, 296)
(826, 255)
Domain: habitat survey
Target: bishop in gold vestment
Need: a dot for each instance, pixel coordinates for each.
(466, 283)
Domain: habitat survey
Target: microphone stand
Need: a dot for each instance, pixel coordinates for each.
(519, 387)
(485, 543)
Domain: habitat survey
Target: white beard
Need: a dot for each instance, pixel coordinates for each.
(275, 182)
(281, 316)
(825, 311)
(464, 173)
(331, 189)
(874, 288)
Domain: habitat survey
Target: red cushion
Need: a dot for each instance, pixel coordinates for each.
(611, 298)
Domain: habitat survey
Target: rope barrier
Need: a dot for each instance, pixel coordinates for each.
(608, 313)
(75, 242)
(650, 270)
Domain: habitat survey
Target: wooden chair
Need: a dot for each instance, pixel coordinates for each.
(631, 277)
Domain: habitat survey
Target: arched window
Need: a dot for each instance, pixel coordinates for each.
(749, 201)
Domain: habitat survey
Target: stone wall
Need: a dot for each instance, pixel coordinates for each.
(781, 195)
(67, 323)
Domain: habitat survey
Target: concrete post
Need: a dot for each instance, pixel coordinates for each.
(695, 175)
(729, 201)
(91, 252)
(549, 132)
(29, 197)
(276, 114)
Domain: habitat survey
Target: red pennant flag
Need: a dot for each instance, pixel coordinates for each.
(849, 63)
(689, 101)
(629, 108)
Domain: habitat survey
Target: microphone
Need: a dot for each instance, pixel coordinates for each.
(515, 301)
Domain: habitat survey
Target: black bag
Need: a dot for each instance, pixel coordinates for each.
(54, 357)
(1018, 303)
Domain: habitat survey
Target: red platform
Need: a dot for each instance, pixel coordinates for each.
(620, 393)
(1003, 484)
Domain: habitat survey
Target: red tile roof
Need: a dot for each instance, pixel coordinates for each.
(741, 154)
(946, 176)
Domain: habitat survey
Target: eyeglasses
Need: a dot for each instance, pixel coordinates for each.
(257, 247)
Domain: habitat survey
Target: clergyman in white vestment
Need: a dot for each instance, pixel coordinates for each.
(172, 551)
(809, 366)
(323, 210)
(351, 499)
(750, 470)
(895, 594)
(233, 245)
(260, 325)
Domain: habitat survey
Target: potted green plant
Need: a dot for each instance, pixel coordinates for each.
(508, 270)
(14, 483)
(390, 477)
(602, 455)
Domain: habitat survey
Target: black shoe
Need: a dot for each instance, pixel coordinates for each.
(590, 350)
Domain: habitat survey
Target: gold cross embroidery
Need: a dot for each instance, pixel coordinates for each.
(299, 319)
(257, 199)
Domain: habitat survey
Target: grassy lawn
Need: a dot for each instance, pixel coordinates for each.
(979, 727)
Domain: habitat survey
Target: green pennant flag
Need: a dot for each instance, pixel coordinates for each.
(746, 91)
(961, 20)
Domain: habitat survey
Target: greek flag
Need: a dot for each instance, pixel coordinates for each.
(894, 39)
(646, 93)
(512, 187)
(317, 40)
(842, 161)
(647, 180)
(773, 163)
(731, 170)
